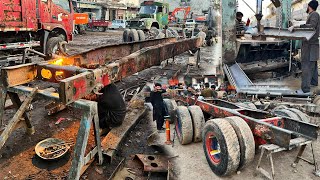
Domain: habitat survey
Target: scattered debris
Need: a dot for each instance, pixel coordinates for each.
(153, 163)
(52, 148)
(60, 120)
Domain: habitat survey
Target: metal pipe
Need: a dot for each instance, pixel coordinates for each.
(248, 6)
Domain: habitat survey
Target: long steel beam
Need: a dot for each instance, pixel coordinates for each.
(76, 87)
(77, 82)
(93, 58)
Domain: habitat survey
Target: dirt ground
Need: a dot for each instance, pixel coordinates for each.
(18, 159)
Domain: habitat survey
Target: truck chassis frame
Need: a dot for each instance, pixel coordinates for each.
(83, 74)
(273, 133)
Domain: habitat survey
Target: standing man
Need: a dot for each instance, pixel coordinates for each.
(310, 50)
(207, 92)
(158, 106)
(240, 26)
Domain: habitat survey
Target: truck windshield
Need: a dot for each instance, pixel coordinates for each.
(148, 9)
(63, 3)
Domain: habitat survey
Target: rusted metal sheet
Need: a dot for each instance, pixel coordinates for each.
(76, 87)
(20, 74)
(15, 14)
(297, 34)
(153, 163)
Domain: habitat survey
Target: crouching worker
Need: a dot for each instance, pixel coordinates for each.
(111, 108)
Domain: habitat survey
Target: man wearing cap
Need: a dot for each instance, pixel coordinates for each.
(310, 50)
(158, 106)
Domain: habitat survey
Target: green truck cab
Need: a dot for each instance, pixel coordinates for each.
(151, 14)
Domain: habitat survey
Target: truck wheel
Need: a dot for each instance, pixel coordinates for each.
(101, 29)
(173, 32)
(302, 116)
(142, 37)
(154, 32)
(316, 100)
(52, 46)
(133, 36)
(171, 106)
(125, 35)
(198, 122)
(221, 146)
(183, 125)
(245, 138)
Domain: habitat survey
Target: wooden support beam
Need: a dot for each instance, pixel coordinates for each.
(16, 118)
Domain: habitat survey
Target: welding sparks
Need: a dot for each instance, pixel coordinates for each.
(58, 62)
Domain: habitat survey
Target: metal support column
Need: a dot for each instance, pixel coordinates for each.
(285, 11)
(229, 50)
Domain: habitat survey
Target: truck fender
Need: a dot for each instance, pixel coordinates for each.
(55, 27)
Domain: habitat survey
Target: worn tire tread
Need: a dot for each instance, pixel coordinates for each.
(232, 144)
(197, 121)
(186, 125)
(246, 140)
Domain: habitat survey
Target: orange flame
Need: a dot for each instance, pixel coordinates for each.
(58, 62)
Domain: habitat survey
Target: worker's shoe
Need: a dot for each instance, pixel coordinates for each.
(162, 130)
(301, 92)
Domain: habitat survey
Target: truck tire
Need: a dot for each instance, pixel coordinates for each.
(52, 46)
(171, 107)
(245, 138)
(316, 100)
(302, 116)
(183, 125)
(221, 146)
(197, 121)
(173, 32)
(101, 29)
(154, 32)
(125, 35)
(133, 36)
(142, 36)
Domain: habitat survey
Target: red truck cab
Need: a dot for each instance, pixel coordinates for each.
(31, 23)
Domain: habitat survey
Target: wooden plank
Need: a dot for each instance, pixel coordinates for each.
(80, 147)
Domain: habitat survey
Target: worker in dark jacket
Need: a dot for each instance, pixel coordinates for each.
(158, 106)
(207, 92)
(111, 107)
(310, 50)
(240, 26)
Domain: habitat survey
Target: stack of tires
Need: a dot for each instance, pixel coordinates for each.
(133, 35)
(228, 143)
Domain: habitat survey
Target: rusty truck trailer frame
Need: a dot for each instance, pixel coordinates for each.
(269, 127)
(78, 76)
(274, 133)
